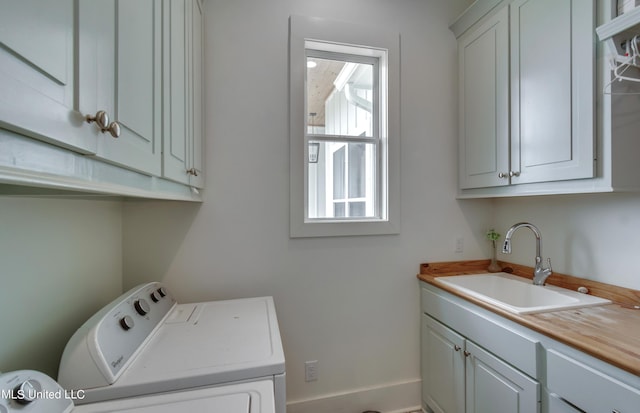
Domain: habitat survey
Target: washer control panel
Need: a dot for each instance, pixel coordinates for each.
(128, 325)
(110, 339)
(33, 391)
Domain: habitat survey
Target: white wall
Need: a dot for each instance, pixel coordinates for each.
(351, 303)
(595, 236)
(60, 261)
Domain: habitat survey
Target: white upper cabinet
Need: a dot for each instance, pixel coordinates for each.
(37, 73)
(120, 64)
(183, 143)
(526, 103)
(483, 57)
(62, 61)
(552, 90)
(197, 164)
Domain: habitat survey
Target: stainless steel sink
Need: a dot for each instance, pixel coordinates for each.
(517, 294)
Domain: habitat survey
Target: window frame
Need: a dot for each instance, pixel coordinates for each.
(378, 113)
(309, 33)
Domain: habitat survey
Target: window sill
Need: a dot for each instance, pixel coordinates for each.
(343, 229)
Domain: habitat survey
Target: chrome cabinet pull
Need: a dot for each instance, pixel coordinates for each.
(510, 174)
(101, 118)
(113, 129)
(466, 353)
(456, 347)
(192, 171)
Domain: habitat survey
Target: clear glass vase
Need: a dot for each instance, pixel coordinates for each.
(494, 266)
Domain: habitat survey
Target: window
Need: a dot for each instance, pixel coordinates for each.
(344, 140)
(342, 102)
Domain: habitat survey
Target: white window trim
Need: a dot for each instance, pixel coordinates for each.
(377, 188)
(302, 31)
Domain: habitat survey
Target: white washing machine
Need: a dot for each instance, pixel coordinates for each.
(34, 392)
(145, 343)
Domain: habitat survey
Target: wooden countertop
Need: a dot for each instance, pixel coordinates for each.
(610, 332)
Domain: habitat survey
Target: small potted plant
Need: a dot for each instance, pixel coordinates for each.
(493, 236)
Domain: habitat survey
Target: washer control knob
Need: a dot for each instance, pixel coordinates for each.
(26, 392)
(155, 296)
(127, 323)
(142, 306)
(162, 292)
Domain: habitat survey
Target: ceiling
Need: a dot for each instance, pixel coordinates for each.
(319, 86)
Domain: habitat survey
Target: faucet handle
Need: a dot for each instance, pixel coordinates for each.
(549, 266)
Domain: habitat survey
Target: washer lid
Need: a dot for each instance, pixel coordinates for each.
(252, 397)
(203, 344)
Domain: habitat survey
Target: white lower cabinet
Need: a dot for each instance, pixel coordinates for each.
(475, 361)
(459, 376)
(588, 388)
(494, 386)
(443, 367)
(555, 404)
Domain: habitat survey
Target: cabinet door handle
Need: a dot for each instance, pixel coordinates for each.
(514, 173)
(503, 175)
(101, 118)
(192, 171)
(456, 347)
(466, 353)
(113, 129)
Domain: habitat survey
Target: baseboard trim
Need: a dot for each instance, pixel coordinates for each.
(399, 397)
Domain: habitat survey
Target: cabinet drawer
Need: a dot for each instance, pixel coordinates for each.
(497, 335)
(557, 405)
(587, 388)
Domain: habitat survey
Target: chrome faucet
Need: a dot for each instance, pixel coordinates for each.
(540, 274)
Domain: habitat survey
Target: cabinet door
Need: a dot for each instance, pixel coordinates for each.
(493, 386)
(483, 56)
(183, 141)
(552, 86)
(196, 177)
(37, 73)
(175, 156)
(120, 72)
(442, 367)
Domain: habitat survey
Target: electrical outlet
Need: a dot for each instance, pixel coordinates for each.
(311, 370)
(459, 245)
